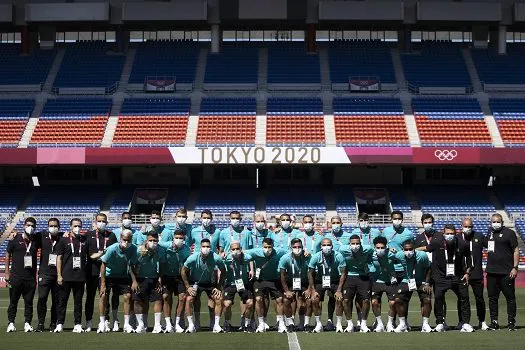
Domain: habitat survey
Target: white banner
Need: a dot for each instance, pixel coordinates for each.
(259, 155)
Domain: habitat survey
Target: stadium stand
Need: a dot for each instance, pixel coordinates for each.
(288, 63)
(235, 64)
(10, 199)
(295, 122)
(14, 115)
(398, 200)
(58, 201)
(177, 198)
(369, 121)
(122, 200)
(512, 199)
(75, 122)
(17, 69)
(510, 117)
(506, 69)
(450, 121)
(152, 122)
(345, 200)
(438, 199)
(292, 200)
(165, 58)
(227, 121)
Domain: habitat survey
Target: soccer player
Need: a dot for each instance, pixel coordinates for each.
(99, 239)
(326, 272)
(476, 243)
(155, 225)
(267, 283)
(311, 239)
(416, 276)
(364, 231)
(117, 273)
(358, 284)
(283, 235)
(20, 274)
(197, 275)
(234, 232)
(126, 223)
(177, 252)
(72, 269)
(383, 281)
(239, 272)
(47, 274)
(451, 266)
(150, 259)
(502, 269)
(181, 216)
(259, 231)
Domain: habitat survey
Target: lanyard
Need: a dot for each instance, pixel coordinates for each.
(312, 241)
(233, 265)
(470, 242)
(28, 247)
(287, 238)
(428, 239)
(414, 270)
(324, 262)
(73, 248)
(361, 236)
(292, 261)
(53, 244)
(446, 253)
(98, 243)
(231, 235)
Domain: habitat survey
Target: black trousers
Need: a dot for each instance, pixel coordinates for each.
(477, 289)
(24, 288)
(504, 284)
(92, 285)
(47, 285)
(78, 292)
(460, 289)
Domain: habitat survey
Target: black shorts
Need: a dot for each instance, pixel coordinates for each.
(147, 291)
(206, 288)
(379, 288)
(321, 291)
(119, 286)
(172, 284)
(304, 287)
(272, 288)
(245, 295)
(404, 294)
(358, 287)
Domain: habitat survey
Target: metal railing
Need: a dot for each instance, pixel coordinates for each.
(62, 145)
(461, 216)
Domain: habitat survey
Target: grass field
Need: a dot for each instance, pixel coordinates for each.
(502, 339)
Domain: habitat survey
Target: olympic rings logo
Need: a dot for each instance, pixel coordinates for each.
(445, 154)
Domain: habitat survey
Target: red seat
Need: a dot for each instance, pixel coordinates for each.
(226, 129)
(370, 129)
(452, 130)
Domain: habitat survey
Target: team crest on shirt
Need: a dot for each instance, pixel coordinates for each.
(501, 234)
(344, 292)
(256, 290)
(225, 294)
(476, 240)
(399, 291)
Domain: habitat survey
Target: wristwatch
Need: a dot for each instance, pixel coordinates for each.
(516, 267)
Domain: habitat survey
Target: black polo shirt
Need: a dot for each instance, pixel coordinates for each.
(63, 248)
(478, 243)
(48, 245)
(105, 239)
(18, 249)
(457, 253)
(501, 261)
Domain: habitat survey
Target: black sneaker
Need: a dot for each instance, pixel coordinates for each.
(494, 326)
(290, 329)
(39, 328)
(329, 327)
(227, 328)
(52, 327)
(512, 326)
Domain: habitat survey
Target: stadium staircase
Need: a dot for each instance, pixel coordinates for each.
(260, 129)
(262, 82)
(111, 126)
(106, 204)
(410, 121)
(201, 69)
(471, 68)
(191, 133)
(48, 84)
(126, 71)
(40, 102)
(18, 216)
(324, 62)
(329, 130)
(398, 69)
(495, 135)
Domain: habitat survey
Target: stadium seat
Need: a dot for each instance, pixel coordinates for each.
(17, 69)
(289, 63)
(494, 68)
(14, 115)
(234, 64)
(292, 200)
(438, 199)
(510, 117)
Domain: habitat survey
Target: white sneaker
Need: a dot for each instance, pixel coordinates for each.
(484, 326)
(439, 328)
(169, 328)
(402, 328)
(266, 327)
(190, 329)
(349, 329)
(467, 328)
(260, 328)
(379, 328)
(78, 329)
(179, 329)
(11, 328)
(281, 328)
(339, 329)
(217, 329)
(101, 328)
(27, 327)
(390, 327)
(107, 327)
(140, 330)
(59, 329)
(425, 328)
(364, 328)
(459, 326)
(318, 328)
(89, 325)
(128, 329)
(116, 326)
(157, 329)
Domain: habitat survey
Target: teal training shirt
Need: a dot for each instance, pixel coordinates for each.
(201, 269)
(282, 238)
(357, 264)
(240, 234)
(367, 236)
(211, 232)
(333, 264)
(174, 259)
(295, 267)
(339, 239)
(419, 262)
(117, 261)
(259, 236)
(237, 268)
(149, 262)
(311, 241)
(383, 268)
(268, 265)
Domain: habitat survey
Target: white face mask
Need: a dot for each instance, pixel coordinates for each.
(397, 222)
(286, 224)
(409, 254)
(355, 247)
(427, 227)
(206, 222)
(467, 230)
(152, 245)
(53, 230)
(496, 226)
(126, 223)
(327, 250)
(297, 251)
(235, 223)
(124, 245)
(259, 226)
(236, 253)
(336, 228)
(155, 222)
(380, 252)
(101, 225)
(29, 230)
(363, 225)
(76, 230)
(267, 251)
(449, 238)
(308, 226)
(181, 220)
(205, 251)
(178, 242)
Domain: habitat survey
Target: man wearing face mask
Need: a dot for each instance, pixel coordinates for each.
(180, 224)
(476, 243)
(177, 252)
(239, 272)
(383, 281)
(117, 273)
(99, 240)
(47, 274)
(502, 269)
(206, 230)
(72, 269)
(151, 259)
(326, 272)
(259, 231)
(310, 238)
(126, 223)
(336, 233)
(198, 276)
(20, 274)
(155, 225)
(358, 284)
(451, 267)
(234, 232)
(283, 235)
(267, 282)
(416, 276)
(364, 231)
